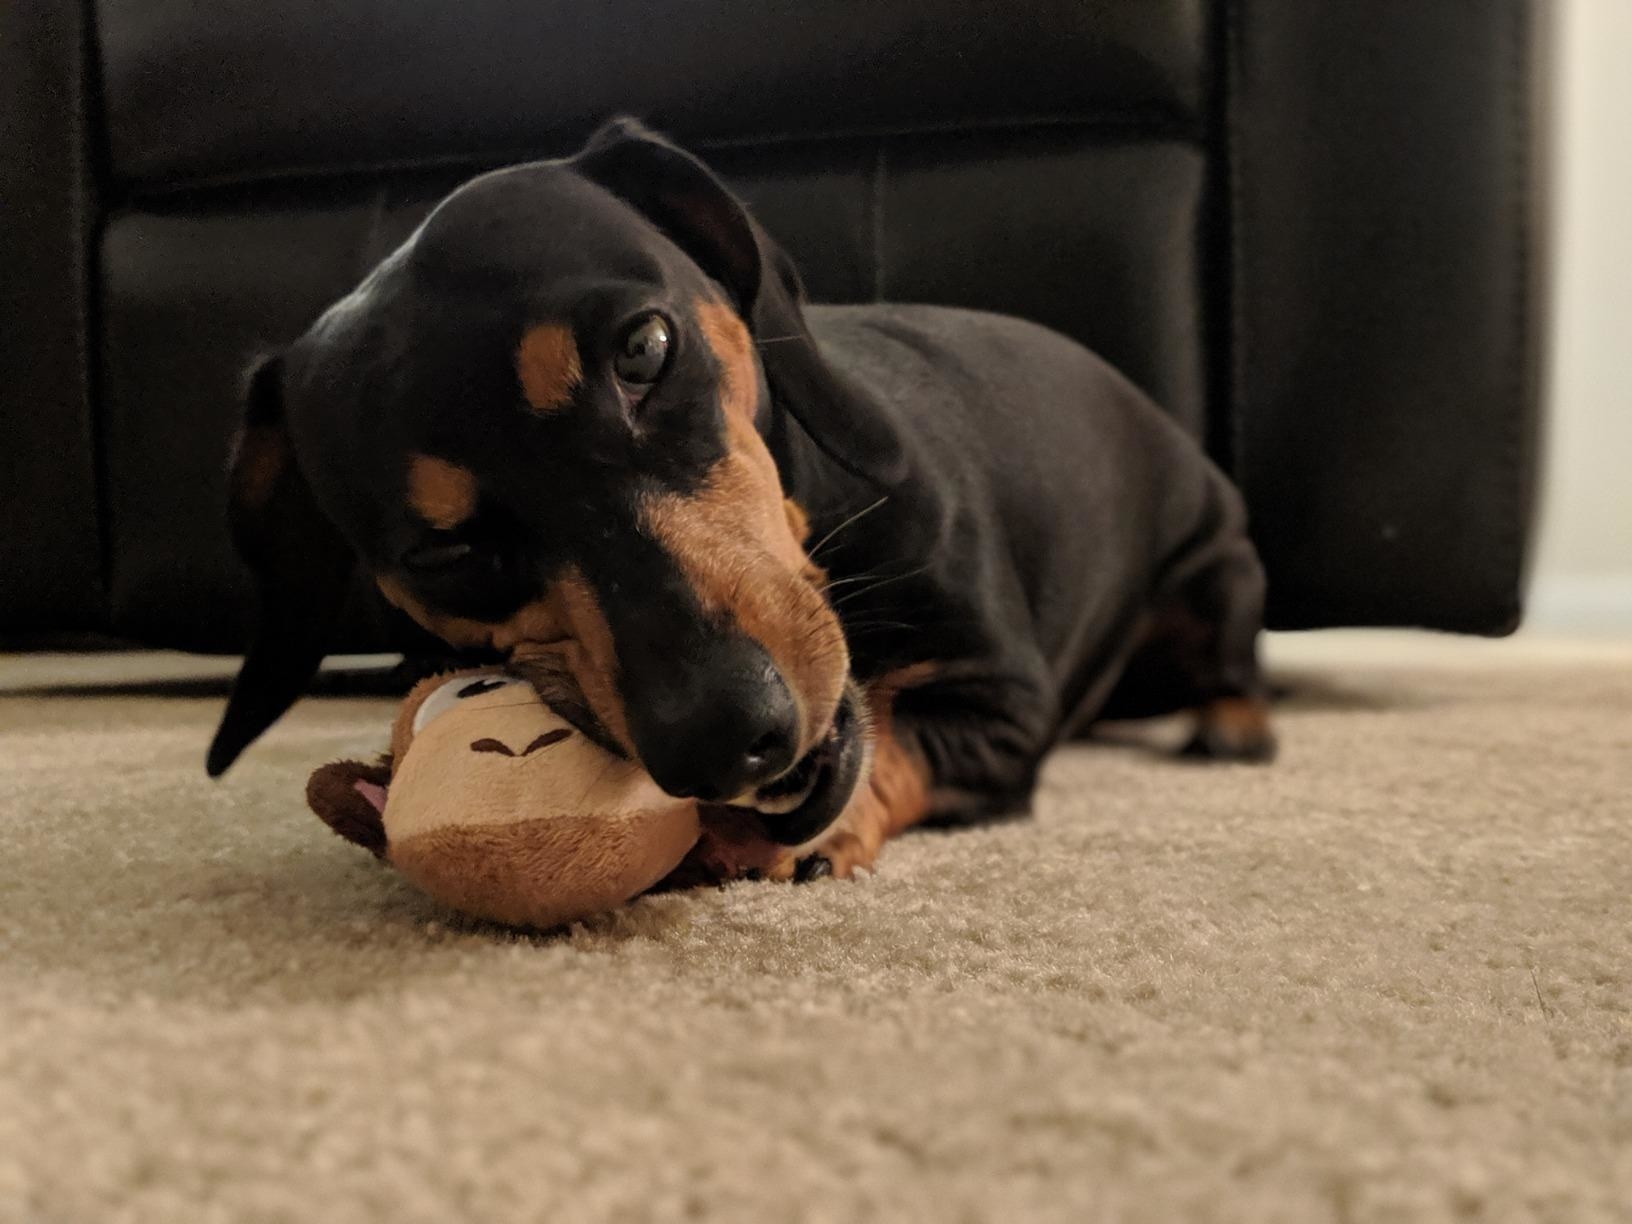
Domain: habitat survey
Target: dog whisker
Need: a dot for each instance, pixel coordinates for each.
(852, 580)
(823, 542)
(869, 626)
(880, 574)
(848, 596)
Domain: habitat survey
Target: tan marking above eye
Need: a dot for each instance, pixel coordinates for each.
(441, 493)
(548, 366)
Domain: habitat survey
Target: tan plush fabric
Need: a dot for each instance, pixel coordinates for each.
(529, 837)
(1387, 979)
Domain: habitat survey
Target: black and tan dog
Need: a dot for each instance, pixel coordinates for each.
(838, 570)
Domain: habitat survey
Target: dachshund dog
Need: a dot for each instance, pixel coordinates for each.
(832, 570)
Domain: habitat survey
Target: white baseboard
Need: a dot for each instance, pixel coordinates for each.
(1590, 603)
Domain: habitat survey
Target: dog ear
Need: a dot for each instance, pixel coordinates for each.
(300, 564)
(684, 199)
(349, 797)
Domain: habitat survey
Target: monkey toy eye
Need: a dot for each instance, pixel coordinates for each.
(460, 688)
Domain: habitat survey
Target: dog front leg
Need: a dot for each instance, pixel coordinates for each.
(946, 752)
(894, 796)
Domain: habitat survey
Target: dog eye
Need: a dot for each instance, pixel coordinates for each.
(644, 351)
(438, 555)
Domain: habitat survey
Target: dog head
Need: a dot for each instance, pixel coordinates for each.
(541, 426)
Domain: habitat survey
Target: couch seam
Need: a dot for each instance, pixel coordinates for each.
(137, 191)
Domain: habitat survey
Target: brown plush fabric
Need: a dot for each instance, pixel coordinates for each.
(540, 873)
(1384, 979)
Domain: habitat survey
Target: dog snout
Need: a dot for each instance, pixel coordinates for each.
(715, 724)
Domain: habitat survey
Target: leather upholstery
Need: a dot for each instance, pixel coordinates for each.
(50, 548)
(1384, 305)
(1309, 234)
(258, 87)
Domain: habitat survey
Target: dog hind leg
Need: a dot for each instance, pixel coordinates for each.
(1199, 652)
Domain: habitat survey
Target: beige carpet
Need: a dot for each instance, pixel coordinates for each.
(1387, 979)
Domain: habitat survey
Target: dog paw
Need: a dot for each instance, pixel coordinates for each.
(731, 848)
(1232, 729)
(840, 855)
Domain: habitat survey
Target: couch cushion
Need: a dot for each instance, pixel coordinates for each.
(50, 533)
(245, 88)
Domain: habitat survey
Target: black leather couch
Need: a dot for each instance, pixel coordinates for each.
(1308, 227)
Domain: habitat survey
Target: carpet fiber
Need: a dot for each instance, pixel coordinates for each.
(1386, 979)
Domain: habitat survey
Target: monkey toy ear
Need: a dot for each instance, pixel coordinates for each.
(349, 797)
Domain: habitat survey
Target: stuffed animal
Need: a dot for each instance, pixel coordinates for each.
(493, 804)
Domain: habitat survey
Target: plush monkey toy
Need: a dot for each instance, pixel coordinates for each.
(493, 804)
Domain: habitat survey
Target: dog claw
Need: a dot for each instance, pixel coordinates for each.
(812, 867)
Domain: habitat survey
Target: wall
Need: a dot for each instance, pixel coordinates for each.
(1583, 573)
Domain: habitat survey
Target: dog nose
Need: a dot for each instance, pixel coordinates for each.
(719, 728)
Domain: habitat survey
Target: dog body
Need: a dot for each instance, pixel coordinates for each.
(832, 570)
(1053, 525)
